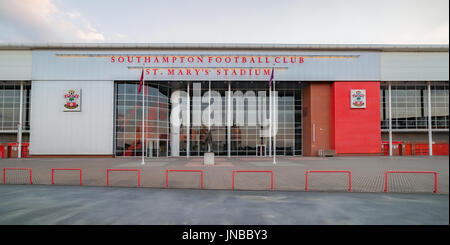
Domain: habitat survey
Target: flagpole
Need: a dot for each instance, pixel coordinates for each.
(273, 115)
(274, 127)
(270, 111)
(143, 117)
(270, 120)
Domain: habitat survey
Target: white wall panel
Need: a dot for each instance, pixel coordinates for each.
(87, 132)
(414, 66)
(15, 64)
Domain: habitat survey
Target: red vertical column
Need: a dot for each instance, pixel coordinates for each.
(355, 130)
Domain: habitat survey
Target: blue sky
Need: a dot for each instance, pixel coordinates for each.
(231, 21)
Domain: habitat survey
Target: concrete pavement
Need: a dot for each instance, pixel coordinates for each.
(72, 205)
(289, 173)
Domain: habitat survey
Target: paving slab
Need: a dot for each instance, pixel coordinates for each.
(368, 173)
(73, 205)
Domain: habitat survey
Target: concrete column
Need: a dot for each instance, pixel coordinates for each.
(275, 123)
(143, 123)
(188, 124)
(158, 144)
(430, 133)
(270, 124)
(209, 113)
(19, 133)
(229, 120)
(390, 117)
(175, 123)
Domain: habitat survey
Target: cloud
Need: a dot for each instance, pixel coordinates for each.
(42, 21)
(74, 14)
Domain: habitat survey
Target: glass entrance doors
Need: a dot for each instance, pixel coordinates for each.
(180, 116)
(156, 148)
(128, 119)
(261, 150)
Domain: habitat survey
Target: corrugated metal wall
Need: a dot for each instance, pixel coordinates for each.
(414, 66)
(15, 64)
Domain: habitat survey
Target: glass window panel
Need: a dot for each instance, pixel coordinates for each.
(244, 137)
(410, 104)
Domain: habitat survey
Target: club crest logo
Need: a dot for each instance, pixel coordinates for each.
(358, 98)
(72, 100)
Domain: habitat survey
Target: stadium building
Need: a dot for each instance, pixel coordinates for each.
(84, 100)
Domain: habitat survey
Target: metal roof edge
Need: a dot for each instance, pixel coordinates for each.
(230, 46)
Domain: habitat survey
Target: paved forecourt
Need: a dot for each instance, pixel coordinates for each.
(74, 205)
(367, 173)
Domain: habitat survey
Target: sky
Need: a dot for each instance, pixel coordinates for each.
(230, 21)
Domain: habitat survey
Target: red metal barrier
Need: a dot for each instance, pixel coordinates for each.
(440, 149)
(330, 171)
(397, 148)
(412, 172)
(408, 149)
(255, 171)
(421, 149)
(183, 170)
(2, 151)
(136, 170)
(53, 171)
(4, 173)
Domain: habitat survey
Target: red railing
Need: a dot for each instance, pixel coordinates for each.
(421, 149)
(4, 173)
(411, 172)
(397, 148)
(184, 170)
(135, 170)
(438, 149)
(233, 175)
(53, 172)
(330, 171)
(254, 171)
